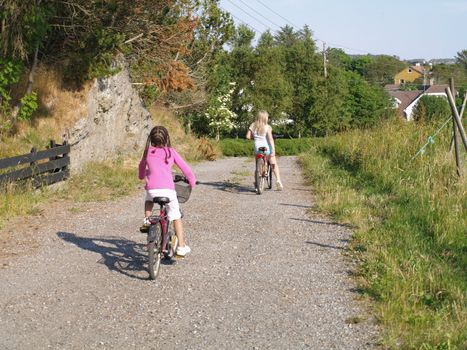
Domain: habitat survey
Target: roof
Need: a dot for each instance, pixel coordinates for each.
(392, 87)
(437, 89)
(406, 97)
(419, 69)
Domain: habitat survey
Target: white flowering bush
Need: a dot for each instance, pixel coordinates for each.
(219, 115)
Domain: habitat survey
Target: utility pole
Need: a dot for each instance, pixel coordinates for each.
(324, 60)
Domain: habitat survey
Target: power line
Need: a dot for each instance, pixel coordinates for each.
(270, 9)
(316, 38)
(258, 13)
(246, 12)
(243, 22)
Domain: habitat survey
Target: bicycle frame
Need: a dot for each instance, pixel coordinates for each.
(264, 156)
(165, 224)
(262, 170)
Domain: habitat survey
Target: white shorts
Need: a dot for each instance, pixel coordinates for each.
(173, 208)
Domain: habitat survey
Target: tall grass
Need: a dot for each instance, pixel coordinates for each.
(410, 223)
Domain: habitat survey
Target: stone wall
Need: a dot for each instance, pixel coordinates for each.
(116, 122)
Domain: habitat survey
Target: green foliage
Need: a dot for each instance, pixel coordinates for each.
(10, 72)
(461, 58)
(441, 73)
(28, 106)
(409, 228)
(284, 147)
(431, 108)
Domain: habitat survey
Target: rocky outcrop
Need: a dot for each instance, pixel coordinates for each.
(116, 122)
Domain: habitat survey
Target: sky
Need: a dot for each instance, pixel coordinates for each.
(409, 29)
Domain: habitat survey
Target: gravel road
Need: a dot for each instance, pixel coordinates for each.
(264, 273)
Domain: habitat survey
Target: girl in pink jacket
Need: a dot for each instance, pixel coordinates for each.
(156, 169)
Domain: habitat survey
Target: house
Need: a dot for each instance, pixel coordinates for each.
(410, 74)
(406, 101)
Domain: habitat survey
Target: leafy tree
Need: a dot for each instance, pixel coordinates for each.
(242, 60)
(382, 69)
(303, 67)
(361, 64)
(330, 111)
(286, 36)
(367, 103)
(431, 107)
(338, 58)
(461, 58)
(271, 90)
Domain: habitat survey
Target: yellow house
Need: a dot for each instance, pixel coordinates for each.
(409, 75)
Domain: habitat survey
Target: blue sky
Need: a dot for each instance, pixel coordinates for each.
(406, 28)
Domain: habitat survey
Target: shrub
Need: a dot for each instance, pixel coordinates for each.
(284, 147)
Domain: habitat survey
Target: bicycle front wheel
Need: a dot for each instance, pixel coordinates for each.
(154, 250)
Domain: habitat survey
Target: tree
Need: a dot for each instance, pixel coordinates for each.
(431, 107)
(367, 103)
(242, 60)
(461, 58)
(302, 69)
(329, 110)
(382, 69)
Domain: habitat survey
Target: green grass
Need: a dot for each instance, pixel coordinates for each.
(244, 148)
(410, 228)
(100, 181)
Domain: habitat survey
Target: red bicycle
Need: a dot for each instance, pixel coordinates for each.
(162, 240)
(263, 171)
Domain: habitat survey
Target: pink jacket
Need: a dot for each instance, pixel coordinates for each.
(157, 173)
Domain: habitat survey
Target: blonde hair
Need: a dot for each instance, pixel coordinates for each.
(259, 126)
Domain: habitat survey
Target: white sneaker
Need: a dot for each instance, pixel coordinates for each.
(279, 186)
(144, 227)
(182, 251)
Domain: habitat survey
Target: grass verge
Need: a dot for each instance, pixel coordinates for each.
(409, 219)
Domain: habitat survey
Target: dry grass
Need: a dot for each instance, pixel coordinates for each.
(187, 145)
(58, 109)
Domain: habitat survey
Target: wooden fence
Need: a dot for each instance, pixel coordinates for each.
(44, 167)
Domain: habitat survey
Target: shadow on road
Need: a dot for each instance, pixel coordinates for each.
(232, 187)
(324, 245)
(333, 223)
(297, 205)
(121, 255)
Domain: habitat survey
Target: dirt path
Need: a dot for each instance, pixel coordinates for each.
(263, 274)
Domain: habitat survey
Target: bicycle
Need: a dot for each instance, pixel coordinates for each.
(263, 171)
(162, 242)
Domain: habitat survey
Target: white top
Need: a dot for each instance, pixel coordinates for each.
(260, 140)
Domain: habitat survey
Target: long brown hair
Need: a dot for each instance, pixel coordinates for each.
(159, 137)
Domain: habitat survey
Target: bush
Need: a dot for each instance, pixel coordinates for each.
(284, 147)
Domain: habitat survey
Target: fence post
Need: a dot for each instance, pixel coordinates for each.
(455, 137)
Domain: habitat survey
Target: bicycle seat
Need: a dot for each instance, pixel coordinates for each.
(263, 149)
(161, 200)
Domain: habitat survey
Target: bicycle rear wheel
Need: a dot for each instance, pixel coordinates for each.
(154, 250)
(269, 179)
(259, 179)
